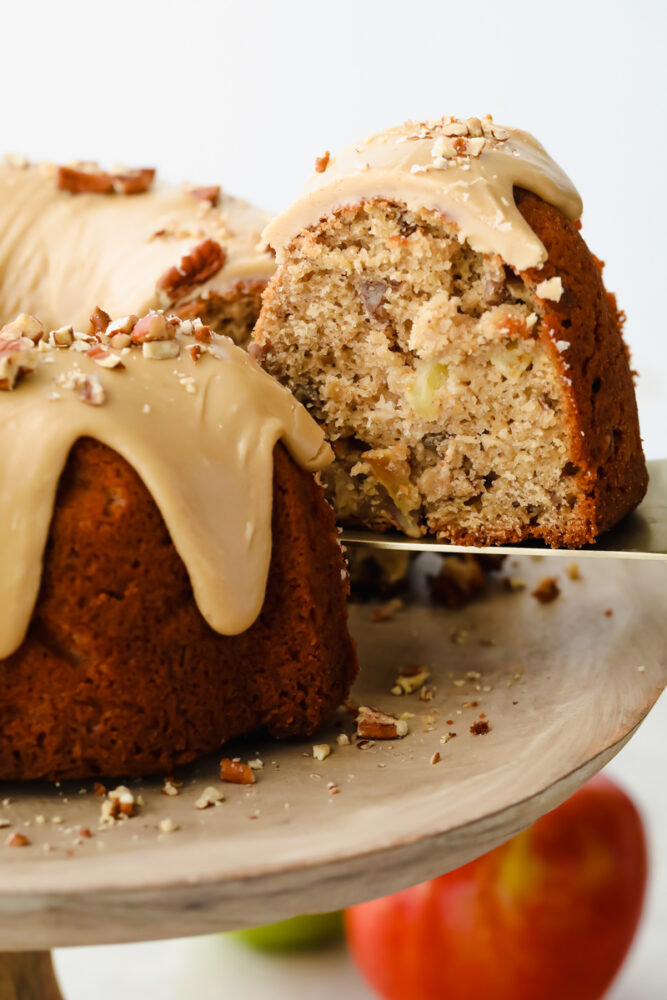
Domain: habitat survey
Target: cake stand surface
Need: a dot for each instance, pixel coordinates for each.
(562, 687)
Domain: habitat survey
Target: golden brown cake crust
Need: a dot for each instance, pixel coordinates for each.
(603, 408)
(120, 674)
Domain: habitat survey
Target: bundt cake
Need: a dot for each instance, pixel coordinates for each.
(438, 312)
(170, 574)
(72, 238)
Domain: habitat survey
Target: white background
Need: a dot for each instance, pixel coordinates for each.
(249, 93)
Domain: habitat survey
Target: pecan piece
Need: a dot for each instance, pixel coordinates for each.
(203, 261)
(24, 325)
(236, 772)
(98, 323)
(375, 725)
(153, 326)
(209, 193)
(79, 180)
(104, 358)
(322, 162)
(17, 357)
(17, 840)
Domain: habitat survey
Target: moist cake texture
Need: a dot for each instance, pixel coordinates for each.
(463, 395)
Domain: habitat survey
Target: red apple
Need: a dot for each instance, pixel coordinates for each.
(549, 915)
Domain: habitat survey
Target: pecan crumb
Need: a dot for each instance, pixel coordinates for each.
(236, 772)
(375, 725)
(322, 162)
(99, 321)
(89, 179)
(209, 193)
(203, 261)
(209, 797)
(480, 728)
(17, 840)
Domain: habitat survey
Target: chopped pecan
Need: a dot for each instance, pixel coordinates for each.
(375, 725)
(17, 840)
(203, 261)
(24, 325)
(86, 180)
(209, 193)
(209, 797)
(161, 350)
(236, 772)
(322, 162)
(62, 337)
(91, 390)
(104, 358)
(134, 181)
(372, 294)
(98, 323)
(17, 357)
(153, 326)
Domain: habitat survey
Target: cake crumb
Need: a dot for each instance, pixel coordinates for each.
(435, 759)
(343, 740)
(171, 787)
(167, 825)
(321, 751)
(446, 737)
(573, 571)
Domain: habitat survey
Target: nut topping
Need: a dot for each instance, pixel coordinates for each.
(23, 326)
(106, 359)
(375, 725)
(153, 326)
(17, 357)
(209, 193)
(322, 162)
(91, 390)
(99, 321)
(236, 772)
(89, 179)
(203, 261)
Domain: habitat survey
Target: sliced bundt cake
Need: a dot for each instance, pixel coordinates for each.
(438, 312)
(170, 574)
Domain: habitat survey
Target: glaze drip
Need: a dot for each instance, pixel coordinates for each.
(466, 171)
(201, 435)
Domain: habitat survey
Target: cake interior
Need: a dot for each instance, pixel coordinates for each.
(233, 313)
(423, 360)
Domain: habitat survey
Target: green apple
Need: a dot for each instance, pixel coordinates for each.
(309, 931)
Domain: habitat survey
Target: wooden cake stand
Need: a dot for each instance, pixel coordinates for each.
(562, 687)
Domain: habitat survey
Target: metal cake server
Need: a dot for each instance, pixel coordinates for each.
(641, 535)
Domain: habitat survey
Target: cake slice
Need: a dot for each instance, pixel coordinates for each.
(438, 312)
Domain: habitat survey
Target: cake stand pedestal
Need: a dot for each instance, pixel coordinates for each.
(28, 975)
(561, 687)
